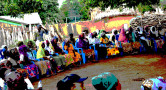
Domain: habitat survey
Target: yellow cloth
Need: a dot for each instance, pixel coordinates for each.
(40, 52)
(71, 52)
(112, 51)
(104, 40)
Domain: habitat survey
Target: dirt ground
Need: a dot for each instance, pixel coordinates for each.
(124, 68)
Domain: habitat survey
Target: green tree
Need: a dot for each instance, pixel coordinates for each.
(72, 8)
(45, 8)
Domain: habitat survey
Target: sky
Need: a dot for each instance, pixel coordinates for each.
(60, 2)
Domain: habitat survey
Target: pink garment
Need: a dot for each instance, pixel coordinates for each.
(122, 36)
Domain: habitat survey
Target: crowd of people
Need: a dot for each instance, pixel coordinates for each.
(40, 58)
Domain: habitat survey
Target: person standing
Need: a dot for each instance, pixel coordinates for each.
(39, 34)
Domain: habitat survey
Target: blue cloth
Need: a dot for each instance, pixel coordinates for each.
(1, 51)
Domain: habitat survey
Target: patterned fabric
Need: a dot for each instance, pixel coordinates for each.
(160, 43)
(23, 71)
(88, 52)
(104, 40)
(136, 45)
(32, 70)
(42, 66)
(71, 51)
(69, 59)
(127, 47)
(112, 51)
(60, 60)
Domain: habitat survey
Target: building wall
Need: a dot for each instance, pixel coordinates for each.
(107, 24)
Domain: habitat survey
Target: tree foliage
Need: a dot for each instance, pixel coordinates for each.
(45, 8)
(71, 8)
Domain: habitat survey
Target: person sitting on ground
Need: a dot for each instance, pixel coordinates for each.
(72, 40)
(71, 82)
(15, 80)
(106, 81)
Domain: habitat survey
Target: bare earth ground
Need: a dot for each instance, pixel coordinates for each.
(124, 68)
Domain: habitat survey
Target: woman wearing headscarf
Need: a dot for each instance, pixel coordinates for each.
(60, 60)
(31, 45)
(25, 62)
(72, 40)
(75, 55)
(41, 54)
(127, 47)
(84, 44)
(155, 36)
(141, 36)
(54, 43)
(104, 39)
(131, 38)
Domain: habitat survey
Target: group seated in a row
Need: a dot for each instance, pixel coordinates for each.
(49, 58)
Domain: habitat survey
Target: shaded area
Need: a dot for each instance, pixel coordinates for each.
(127, 69)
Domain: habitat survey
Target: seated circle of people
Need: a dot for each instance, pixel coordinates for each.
(46, 58)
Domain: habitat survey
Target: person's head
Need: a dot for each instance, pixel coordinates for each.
(23, 49)
(94, 34)
(103, 35)
(43, 45)
(82, 35)
(146, 28)
(67, 41)
(55, 39)
(30, 44)
(14, 80)
(106, 81)
(71, 35)
(39, 27)
(86, 32)
(113, 38)
(47, 43)
(71, 82)
(153, 29)
(9, 64)
(4, 47)
(20, 43)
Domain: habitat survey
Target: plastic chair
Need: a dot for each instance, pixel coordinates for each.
(81, 53)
